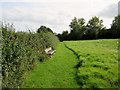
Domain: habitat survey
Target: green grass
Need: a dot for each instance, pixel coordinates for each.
(99, 62)
(98, 69)
(57, 72)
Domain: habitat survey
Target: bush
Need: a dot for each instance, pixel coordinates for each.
(20, 51)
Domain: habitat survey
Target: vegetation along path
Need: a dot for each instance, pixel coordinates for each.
(57, 72)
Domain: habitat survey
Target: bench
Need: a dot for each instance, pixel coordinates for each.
(49, 51)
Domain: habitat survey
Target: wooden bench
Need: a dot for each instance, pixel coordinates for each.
(49, 51)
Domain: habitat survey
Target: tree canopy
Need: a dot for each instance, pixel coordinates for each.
(93, 29)
(94, 26)
(115, 27)
(44, 29)
(77, 27)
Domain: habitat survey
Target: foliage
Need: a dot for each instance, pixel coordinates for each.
(94, 29)
(50, 39)
(63, 36)
(77, 28)
(57, 72)
(115, 27)
(114, 31)
(20, 51)
(99, 63)
(44, 29)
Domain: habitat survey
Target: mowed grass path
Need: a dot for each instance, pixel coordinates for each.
(57, 72)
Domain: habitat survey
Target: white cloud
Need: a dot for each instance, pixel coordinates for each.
(0, 12)
(35, 16)
(56, 14)
(106, 1)
(110, 11)
(119, 8)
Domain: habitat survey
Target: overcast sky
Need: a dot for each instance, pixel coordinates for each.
(56, 14)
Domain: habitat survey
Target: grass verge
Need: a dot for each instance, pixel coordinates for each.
(57, 72)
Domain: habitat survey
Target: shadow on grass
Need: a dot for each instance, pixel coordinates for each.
(79, 64)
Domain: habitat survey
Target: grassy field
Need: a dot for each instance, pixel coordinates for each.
(57, 72)
(86, 64)
(99, 59)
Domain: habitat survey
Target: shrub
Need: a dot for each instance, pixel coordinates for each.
(20, 51)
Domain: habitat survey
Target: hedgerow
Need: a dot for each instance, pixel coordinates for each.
(20, 52)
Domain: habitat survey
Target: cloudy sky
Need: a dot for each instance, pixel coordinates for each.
(56, 14)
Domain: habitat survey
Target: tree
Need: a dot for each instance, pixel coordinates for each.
(77, 27)
(44, 29)
(115, 27)
(94, 26)
(63, 36)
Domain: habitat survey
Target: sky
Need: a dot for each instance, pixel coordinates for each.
(55, 14)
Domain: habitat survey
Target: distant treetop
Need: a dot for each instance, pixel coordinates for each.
(44, 29)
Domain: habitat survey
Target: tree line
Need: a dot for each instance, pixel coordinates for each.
(94, 29)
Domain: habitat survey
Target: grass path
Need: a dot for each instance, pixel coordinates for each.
(57, 72)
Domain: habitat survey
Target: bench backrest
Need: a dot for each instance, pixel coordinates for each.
(48, 49)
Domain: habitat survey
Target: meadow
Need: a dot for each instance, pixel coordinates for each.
(98, 59)
(78, 64)
(56, 72)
